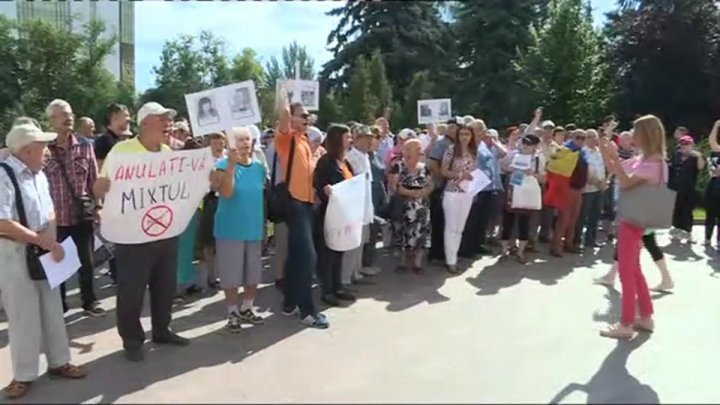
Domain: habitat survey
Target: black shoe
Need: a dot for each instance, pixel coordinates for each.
(482, 250)
(290, 311)
(135, 355)
(171, 339)
(330, 299)
(345, 296)
(249, 316)
(94, 309)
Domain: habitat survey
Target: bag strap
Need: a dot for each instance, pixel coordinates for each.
(288, 172)
(67, 180)
(18, 195)
(274, 168)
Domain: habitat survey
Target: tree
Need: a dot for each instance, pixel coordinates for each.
(563, 68)
(666, 57)
(187, 65)
(489, 34)
(421, 87)
(292, 55)
(247, 66)
(379, 85)
(361, 102)
(40, 62)
(409, 36)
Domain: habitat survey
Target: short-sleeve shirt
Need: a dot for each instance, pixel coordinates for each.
(488, 160)
(35, 191)
(465, 163)
(242, 217)
(104, 143)
(129, 146)
(436, 153)
(301, 177)
(654, 171)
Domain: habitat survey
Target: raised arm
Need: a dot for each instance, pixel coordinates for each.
(535, 122)
(282, 108)
(713, 137)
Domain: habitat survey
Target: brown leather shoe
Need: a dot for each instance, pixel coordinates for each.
(17, 389)
(69, 371)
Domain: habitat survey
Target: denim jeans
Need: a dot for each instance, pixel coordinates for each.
(301, 258)
(589, 218)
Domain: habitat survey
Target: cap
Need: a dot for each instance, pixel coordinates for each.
(361, 130)
(153, 108)
(492, 133)
(25, 134)
(686, 140)
(406, 134)
(314, 134)
(547, 124)
(530, 140)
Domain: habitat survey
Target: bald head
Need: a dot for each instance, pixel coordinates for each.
(86, 127)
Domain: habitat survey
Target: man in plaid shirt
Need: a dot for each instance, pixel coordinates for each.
(71, 170)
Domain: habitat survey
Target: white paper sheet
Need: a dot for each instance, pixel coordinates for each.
(58, 272)
(480, 181)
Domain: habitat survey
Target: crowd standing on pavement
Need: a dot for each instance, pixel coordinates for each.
(547, 184)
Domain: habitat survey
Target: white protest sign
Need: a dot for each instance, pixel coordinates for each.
(344, 216)
(222, 108)
(303, 91)
(479, 181)
(153, 196)
(434, 111)
(59, 272)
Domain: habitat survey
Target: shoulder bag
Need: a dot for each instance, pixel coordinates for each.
(36, 271)
(279, 199)
(83, 207)
(648, 205)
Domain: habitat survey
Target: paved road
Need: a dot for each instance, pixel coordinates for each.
(498, 333)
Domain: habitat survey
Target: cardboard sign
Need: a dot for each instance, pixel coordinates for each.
(153, 196)
(222, 108)
(303, 91)
(434, 111)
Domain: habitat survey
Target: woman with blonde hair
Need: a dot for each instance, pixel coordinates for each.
(457, 165)
(647, 168)
(411, 180)
(238, 228)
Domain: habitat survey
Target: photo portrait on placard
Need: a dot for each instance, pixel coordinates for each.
(425, 111)
(241, 104)
(207, 113)
(434, 111)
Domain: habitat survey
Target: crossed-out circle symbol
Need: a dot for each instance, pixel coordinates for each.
(157, 220)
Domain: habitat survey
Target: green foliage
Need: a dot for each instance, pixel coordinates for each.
(379, 84)
(40, 62)
(563, 68)
(361, 102)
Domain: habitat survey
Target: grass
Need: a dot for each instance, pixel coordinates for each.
(699, 214)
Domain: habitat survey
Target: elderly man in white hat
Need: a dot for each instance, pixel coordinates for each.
(137, 264)
(27, 222)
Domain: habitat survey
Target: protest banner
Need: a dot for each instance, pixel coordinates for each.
(434, 111)
(344, 217)
(153, 196)
(223, 108)
(303, 91)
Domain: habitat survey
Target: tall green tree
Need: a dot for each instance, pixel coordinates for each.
(379, 84)
(40, 62)
(666, 57)
(361, 102)
(563, 69)
(489, 33)
(247, 66)
(292, 55)
(187, 65)
(421, 87)
(410, 36)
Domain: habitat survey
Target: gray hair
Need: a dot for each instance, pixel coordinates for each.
(57, 103)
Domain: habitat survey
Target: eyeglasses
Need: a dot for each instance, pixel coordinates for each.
(304, 116)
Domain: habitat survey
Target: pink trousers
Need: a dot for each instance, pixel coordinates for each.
(632, 280)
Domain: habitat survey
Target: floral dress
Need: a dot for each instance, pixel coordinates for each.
(413, 231)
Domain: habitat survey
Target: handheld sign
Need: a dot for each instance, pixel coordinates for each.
(434, 111)
(153, 196)
(344, 216)
(304, 91)
(222, 108)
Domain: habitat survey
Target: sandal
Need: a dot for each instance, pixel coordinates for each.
(663, 287)
(69, 371)
(618, 331)
(17, 389)
(418, 270)
(452, 270)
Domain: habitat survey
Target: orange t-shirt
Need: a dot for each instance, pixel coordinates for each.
(301, 179)
(347, 174)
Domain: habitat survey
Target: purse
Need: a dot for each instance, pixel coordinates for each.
(647, 205)
(36, 271)
(83, 207)
(527, 196)
(278, 202)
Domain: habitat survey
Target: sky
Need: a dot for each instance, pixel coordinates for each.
(264, 26)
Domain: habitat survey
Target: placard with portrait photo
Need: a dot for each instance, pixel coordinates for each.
(222, 108)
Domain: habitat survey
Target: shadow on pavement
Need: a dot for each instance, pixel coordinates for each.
(613, 383)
